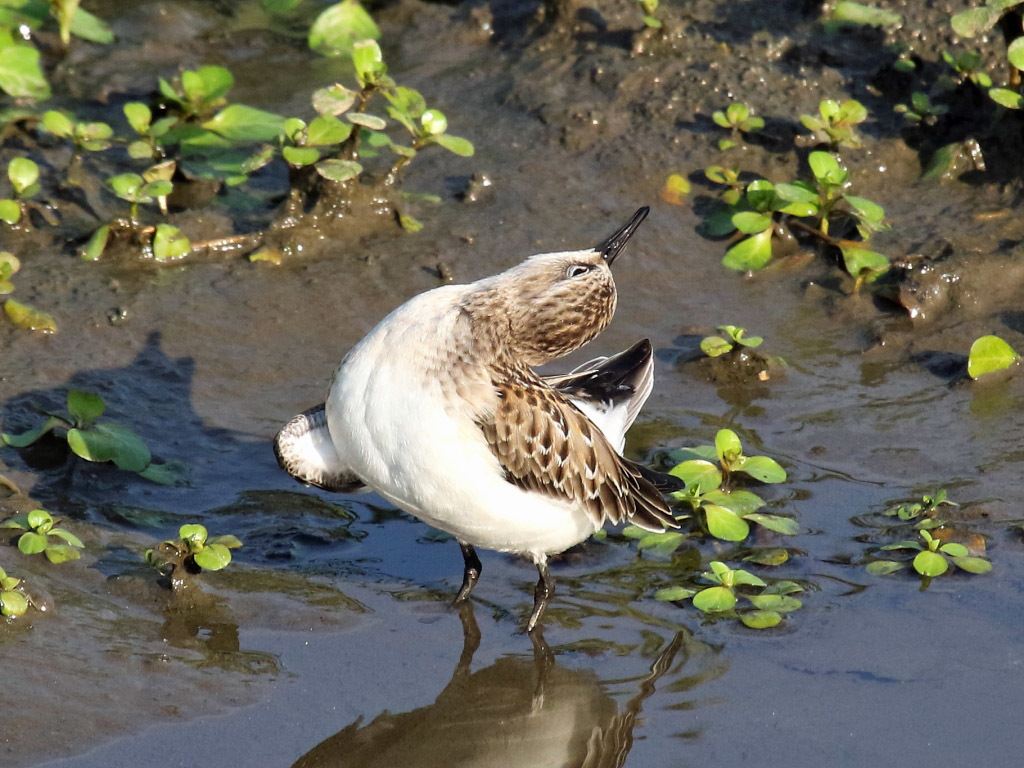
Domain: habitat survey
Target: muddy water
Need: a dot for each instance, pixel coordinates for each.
(329, 641)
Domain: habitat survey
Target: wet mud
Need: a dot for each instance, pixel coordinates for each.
(330, 631)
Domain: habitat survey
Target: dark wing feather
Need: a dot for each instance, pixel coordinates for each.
(546, 444)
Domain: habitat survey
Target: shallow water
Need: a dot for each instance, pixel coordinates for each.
(329, 641)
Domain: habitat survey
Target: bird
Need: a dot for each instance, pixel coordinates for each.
(439, 411)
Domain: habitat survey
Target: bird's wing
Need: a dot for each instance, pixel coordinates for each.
(305, 450)
(546, 444)
(611, 390)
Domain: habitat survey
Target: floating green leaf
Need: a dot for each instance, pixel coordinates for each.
(930, 563)
(883, 567)
(673, 594)
(989, 354)
(339, 170)
(25, 316)
(784, 525)
(699, 474)
(973, 564)
(761, 619)
(13, 603)
(725, 524)
(714, 600)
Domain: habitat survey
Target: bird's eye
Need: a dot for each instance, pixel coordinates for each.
(575, 270)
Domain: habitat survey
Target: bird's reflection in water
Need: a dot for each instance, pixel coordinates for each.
(516, 712)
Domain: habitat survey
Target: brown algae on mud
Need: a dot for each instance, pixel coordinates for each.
(572, 128)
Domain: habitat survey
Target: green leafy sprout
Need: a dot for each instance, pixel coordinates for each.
(738, 120)
(836, 123)
(923, 513)
(978, 21)
(760, 207)
(921, 109)
(24, 177)
(709, 471)
(735, 338)
(766, 607)
(13, 601)
(932, 558)
(650, 11)
(989, 354)
(194, 550)
(40, 527)
(98, 441)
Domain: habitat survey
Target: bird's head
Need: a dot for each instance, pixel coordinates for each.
(555, 303)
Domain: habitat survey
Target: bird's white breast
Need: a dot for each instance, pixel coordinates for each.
(403, 418)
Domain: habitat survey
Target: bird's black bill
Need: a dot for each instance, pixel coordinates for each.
(615, 244)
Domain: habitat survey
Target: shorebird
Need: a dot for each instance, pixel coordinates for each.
(439, 411)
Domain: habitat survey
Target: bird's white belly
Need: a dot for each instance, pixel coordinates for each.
(403, 437)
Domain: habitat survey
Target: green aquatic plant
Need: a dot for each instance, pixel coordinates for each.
(766, 607)
(738, 120)
(150, 132)
(921, 109)
(650, 11)
(710, 471)
(20, 314)
(932, 558)
(98, 441)
(735, 338)
(978, 21)
(13, 601)
(85, 136)
(922, 513)
(989, 354)
(135, 190)
(824, 200)
(21, 73)
(39, 527)
(967, 66)
(836, 123)
(24, 177)
(194, 550)
(196, 93)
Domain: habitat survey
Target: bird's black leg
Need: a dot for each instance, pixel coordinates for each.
(471, 574)
(545, 589)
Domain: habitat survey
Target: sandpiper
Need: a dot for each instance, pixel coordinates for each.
(438, 410)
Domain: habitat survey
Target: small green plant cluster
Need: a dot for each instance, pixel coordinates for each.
(761, 211)
(979, 20)
(20, 314)
(989, 354)
(836, 123)
(194, 550)
(934, 549)
(13, 601)
(98, 441)
(725, 513)
(738, 120)
(199, 136)
(40, 528)
(932, 558)
(21, 73)
(733, 340)
(762, 610)
(710, 472)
